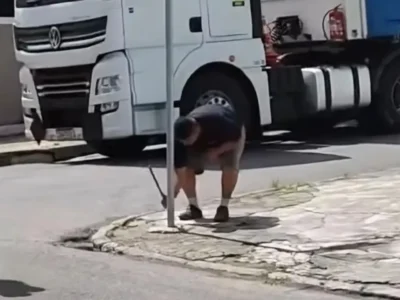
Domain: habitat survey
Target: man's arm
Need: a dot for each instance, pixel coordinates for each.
(180, 157)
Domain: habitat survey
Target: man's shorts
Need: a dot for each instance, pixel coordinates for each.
(228, 160)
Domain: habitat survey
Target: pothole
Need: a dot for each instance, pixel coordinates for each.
(80, 238)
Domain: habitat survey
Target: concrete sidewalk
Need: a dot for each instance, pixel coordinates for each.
(342, 234)
(19, 150)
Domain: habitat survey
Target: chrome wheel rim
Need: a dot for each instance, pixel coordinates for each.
(214, 97)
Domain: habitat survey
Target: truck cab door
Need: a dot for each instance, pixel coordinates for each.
(229, 17)
(144, 30)
(144, 23)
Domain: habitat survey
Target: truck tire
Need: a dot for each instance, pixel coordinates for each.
(386, 105)
(219, 88)
(119, 148)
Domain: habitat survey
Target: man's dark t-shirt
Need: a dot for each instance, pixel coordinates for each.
(218, 125)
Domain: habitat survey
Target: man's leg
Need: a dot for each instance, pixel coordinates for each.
(230, 173)
(186, 177)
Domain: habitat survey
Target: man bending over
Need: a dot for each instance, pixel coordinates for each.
(212, 133)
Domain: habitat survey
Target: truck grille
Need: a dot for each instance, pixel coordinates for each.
(35, 3)
(63, 94)
(71, 118)
(67, 36)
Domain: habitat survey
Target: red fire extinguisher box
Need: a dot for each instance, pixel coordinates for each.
(337, 24)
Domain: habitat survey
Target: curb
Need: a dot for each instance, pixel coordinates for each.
(50, 155)
(101, 242)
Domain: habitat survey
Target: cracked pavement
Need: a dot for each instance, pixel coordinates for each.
(340, 234)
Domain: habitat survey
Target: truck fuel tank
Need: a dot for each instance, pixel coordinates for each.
(335, 88)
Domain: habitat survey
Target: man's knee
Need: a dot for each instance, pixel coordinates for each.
(230, 170)
(230, 162)
(187, 171)
(180, 170)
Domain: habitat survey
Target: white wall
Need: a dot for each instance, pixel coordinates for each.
(10, 97)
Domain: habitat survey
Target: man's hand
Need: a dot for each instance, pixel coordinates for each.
(177, 189)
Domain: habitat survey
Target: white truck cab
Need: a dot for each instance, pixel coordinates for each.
(95, 69)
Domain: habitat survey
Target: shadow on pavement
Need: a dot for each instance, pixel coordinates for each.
(13, 289)
(342, 136)
(239, 223)
(255, 157)
(274, 151)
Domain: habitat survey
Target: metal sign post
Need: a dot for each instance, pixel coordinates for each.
(170, 113)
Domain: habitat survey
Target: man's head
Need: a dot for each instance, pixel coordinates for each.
(187, 130)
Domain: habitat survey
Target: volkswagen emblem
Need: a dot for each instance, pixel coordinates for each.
(54, 38)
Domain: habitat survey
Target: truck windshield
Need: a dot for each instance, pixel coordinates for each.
(35, 3)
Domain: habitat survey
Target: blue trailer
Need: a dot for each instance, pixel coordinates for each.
(382, 18)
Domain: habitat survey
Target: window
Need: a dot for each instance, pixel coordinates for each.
(6, 9)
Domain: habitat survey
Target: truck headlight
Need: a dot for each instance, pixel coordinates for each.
(109, 107)
(26, 92)
(108, 84)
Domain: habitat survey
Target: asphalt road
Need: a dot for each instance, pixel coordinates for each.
(39, 203)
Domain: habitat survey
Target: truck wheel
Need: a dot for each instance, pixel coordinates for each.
(119, 148)
(219, 88)
(387, 102)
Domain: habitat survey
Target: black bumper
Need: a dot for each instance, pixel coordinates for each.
(91, 125)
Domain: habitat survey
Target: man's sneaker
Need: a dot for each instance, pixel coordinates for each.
(192, 213)
(222, 214)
